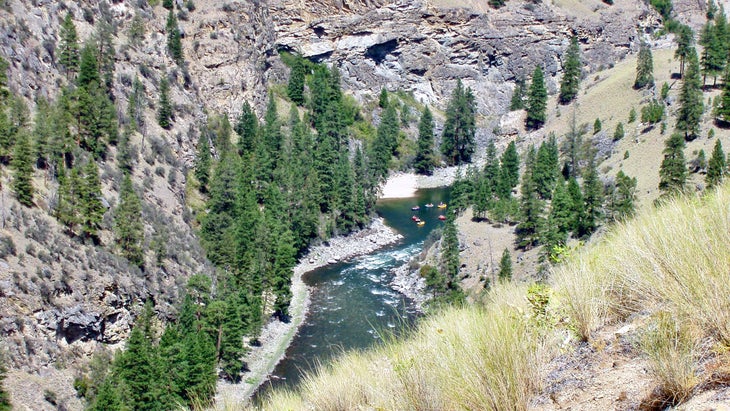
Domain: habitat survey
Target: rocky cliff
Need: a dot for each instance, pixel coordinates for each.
(425, 46)
(60, 297)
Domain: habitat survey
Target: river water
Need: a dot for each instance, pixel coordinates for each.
(352, 302)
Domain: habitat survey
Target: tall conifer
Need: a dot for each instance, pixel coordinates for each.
(295, 88)
(644, 68)
(164, 107)
(717, 167)
(571, 73)
(68, 56)
(537, 101)
(457, 140)
(690, 100)
(673, 170)
(531, 207)
(685, 42)
(92, 209)
(128, 227)
(22, 165)
(424, 154)
(505, 266)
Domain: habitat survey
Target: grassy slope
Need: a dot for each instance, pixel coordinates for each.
(666, 268)
(666, 271)
(609, 95)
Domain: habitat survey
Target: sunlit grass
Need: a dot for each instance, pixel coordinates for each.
(668, 267)
(462, 358)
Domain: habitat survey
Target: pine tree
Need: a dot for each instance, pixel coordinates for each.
(5, 404)
(505, 266)
(164, 107)
(531, 207)
(174, 39)
(68, 56)
(537, 101)
(593, 199)
(509, 171)
(644, 68)
(217, 230)
(88, 67)
(92, 209)
(247, 128)
(717, 167)
(622, 198)
(136, 104)
(271, 132)
(104, 43)
(128, 227)
(571, 73)
(713, 53)
(450, 251)
(423, 163)
(231, 343)
(135, 367)
(685, 42)
(107, 399)
(295, 88)
(457, 140)
(203, 163)
(673, 170)
(518, 95)
(68, 203)
(577, 208)
(383, 98)
(597, 126)
(690, 101)
(560, 219)
(547, 168)
(386, 141)
(619, 133)
(723, 109)
(22, 165)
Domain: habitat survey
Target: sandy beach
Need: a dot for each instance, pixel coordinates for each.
(402, 185)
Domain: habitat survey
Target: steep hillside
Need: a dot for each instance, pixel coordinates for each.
(636, 321)
(65, 295)
(424, 47)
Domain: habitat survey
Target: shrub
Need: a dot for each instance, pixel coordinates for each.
(652, 113)
(670, 346)
(7, 246)
(618, 134)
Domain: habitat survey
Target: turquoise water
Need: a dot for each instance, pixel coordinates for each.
(352, 303)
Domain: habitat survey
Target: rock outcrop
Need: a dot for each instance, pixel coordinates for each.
(420, 47)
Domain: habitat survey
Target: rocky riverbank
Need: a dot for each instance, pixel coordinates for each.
(276, 335)
(410, 283)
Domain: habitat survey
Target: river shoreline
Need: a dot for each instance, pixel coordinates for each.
(276, 335)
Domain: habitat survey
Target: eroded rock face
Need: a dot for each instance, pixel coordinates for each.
(418, 47)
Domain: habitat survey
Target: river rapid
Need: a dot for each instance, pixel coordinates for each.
(352, 303)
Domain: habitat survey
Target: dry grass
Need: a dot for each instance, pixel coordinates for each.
(675, 259)
(669, 266)
(464, 358)
(672, 351)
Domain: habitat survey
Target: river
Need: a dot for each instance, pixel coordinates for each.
(352, 302)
